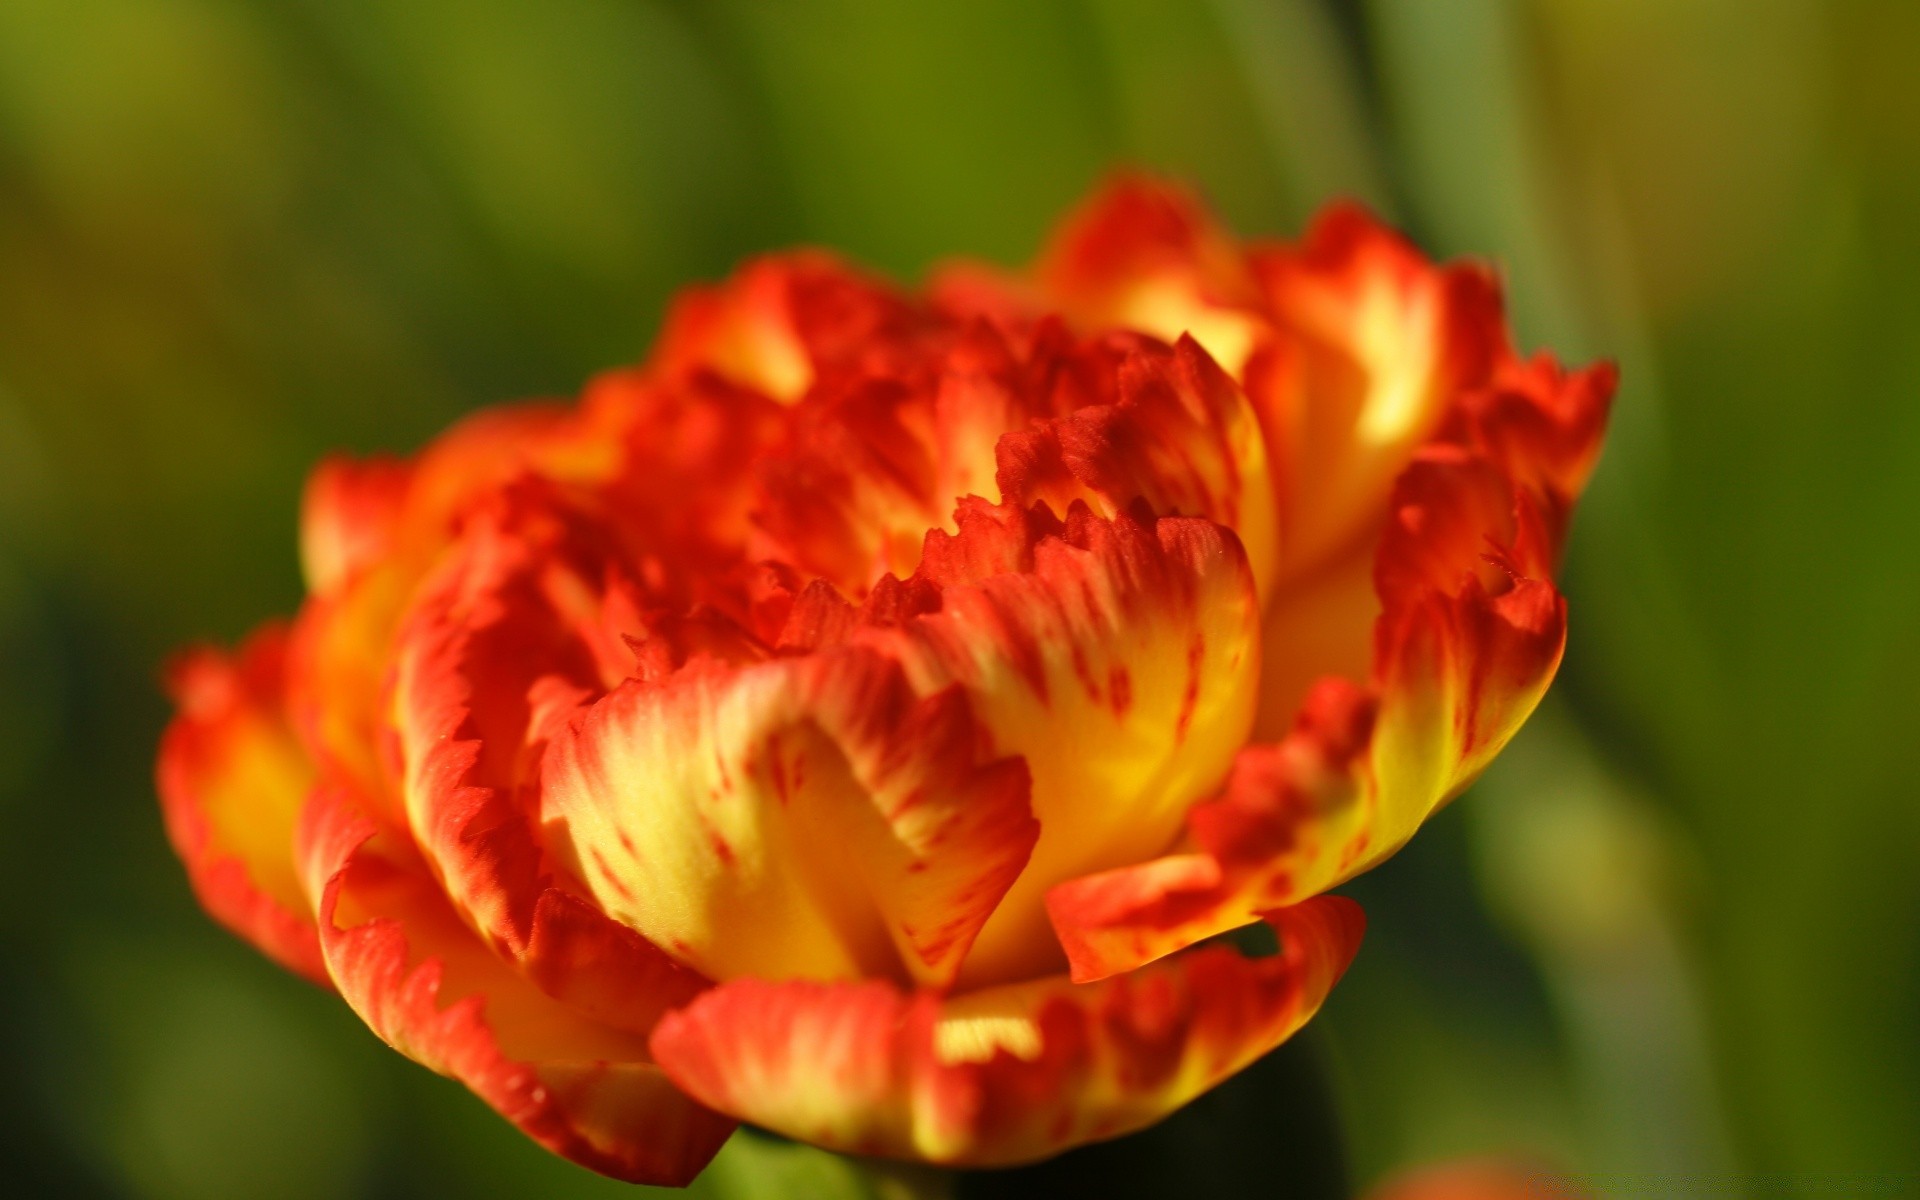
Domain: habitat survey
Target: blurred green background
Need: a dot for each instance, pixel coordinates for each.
(1674, 936)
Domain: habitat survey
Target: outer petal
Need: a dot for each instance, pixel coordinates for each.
(1007, 1074)
(1118, 658)
(781, 323)
(1372, 344)
(814, 817)
(232, 778)
(405, 962)
(350, 517)
(370, 531)
(1146, 255)
(1542, 426)
(1468, 642)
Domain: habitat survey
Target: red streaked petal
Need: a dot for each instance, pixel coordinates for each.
(1006, 1074)
(781, 323)
(421, 980)
(339, 656)
(1542, 426)
(803, 817)
(851, 494)
(232, 778)
(683, 495)
(1118, 658)
(1144, 254)
(508, 638)
(1372, 344)
(1179, 436)
(1463, 652)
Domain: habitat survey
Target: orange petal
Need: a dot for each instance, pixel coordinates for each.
(420, 979)
(799, 817)
(1542, 426)
(781, 323)
(232, 778)
(1465, 648)
(1147, 255)
(1372, 343)
(373, 530)
(1119, 659)
(1007, 1074)
(349, 517)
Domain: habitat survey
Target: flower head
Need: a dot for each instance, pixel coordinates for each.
(853, 720)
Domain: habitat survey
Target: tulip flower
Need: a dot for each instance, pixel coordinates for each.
(860, 719)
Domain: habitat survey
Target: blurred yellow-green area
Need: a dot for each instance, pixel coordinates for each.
(1672, 941)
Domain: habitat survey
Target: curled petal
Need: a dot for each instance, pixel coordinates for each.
(1119, 659)
(1372, 344)
(349, 517)
(232, 777)
(1462, 653)
(1143, 254)
(1542, 426)
(420, 979)
(369, 533)
(800, 817)
(508, 638)
(782, 323)
(1006, 1074)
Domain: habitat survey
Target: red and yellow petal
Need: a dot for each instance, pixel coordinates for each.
(782, 323)
(232, 778)
(1541, 425)
(350, 516)
(1179, 436)
(1007, 1074)
(683, 494)
(1118, 658)
(369, 533)
(1372, 344)
(426, 985)
(850, 494)
(508, 638)
(1465, 648)
(1146, 255)
(810, 817)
